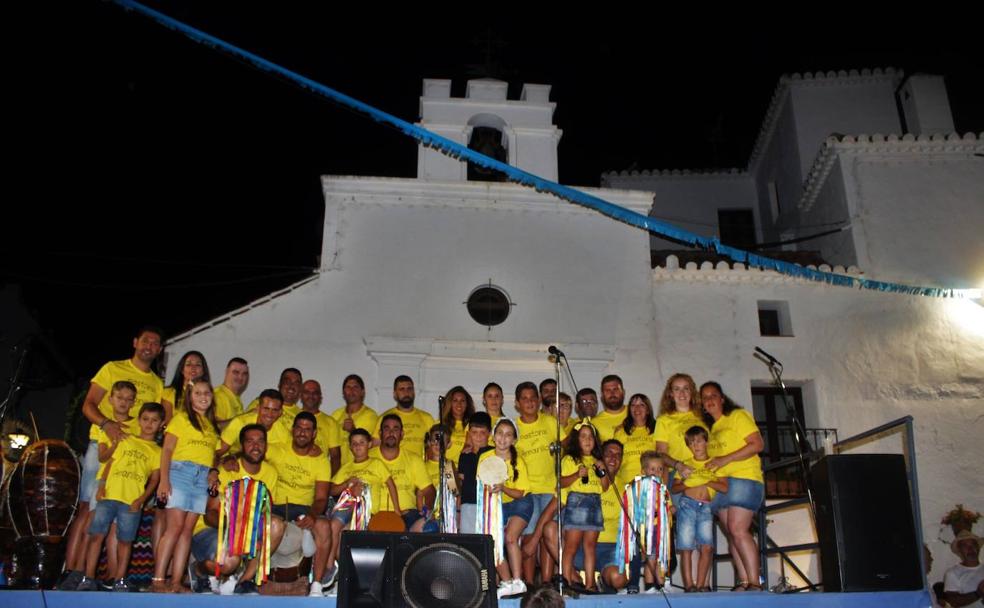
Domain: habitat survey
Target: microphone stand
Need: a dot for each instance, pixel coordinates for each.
(555, 449)
(799, 433)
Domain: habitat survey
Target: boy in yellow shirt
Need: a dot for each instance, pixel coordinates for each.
(127, 481)
(694, 519)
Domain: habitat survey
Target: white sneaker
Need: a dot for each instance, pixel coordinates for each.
(213, 583)
(228, 586)
(651, 590)
(316, 590)
(505, 588)
(518, 586)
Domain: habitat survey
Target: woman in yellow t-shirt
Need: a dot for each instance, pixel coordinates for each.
(191, 366)
(679, 409)
(187, 476)
(734, 448)
(456, 409)
(492, 401)
(638, 436)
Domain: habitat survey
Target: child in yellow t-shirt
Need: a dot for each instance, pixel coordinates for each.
(694, 519)
(128, 479)
(653, 465)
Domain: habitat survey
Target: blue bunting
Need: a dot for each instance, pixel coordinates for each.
(460, 152)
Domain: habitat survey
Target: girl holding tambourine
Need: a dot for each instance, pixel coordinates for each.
(512, 482)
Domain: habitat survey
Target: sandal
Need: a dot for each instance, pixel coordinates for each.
(753, 587)
(159, 585)
(740, 586)
(703, 589)
(690, 589)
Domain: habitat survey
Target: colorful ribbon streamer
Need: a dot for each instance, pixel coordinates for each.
(489, 518)
(244, 525)
(647, 501)
(361, 507)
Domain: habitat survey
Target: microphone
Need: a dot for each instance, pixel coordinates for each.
(771, 359)
(584, 479)
(440, 401)
(600, 472)
(553, 350)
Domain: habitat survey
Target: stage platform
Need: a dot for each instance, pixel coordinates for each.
(73, 599)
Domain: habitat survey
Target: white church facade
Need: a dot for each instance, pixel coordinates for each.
(401, 257)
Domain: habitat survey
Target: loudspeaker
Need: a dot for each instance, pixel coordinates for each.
(864, 523)
(398, 569)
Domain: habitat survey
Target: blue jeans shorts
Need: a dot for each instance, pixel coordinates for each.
(694, 524)
(189, 487)
(539, 502)
(108, 511)
(743, 493)
(519, 507)
(583, 512)
(205, 544)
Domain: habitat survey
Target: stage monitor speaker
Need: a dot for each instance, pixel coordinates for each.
(398, 569)
(865, 524)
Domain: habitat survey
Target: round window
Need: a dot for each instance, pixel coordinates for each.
(488, 305)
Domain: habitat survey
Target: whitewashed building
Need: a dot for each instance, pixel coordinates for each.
(401, 257)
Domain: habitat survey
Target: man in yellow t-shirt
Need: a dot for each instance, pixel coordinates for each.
(329, 435)
(416, 422)
(228, 395)
(614, 412)
(413, 486)
(302, 491)
(269, 415)
(96, 408)
(355, 414)
(251, 463)
(290, 388)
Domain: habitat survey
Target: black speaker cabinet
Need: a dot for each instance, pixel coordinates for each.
(397, 569)
(865, 524)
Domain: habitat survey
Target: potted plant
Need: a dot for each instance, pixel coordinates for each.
(960, 518)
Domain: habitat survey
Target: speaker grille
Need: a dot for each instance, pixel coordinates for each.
(442, 575)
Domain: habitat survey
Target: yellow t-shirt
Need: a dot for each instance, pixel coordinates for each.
(728, 435)
(534, 447)
(670, 429)
(522, 481)
(607, 422)
(568, 427)
(267, 474)
(641, 440)
(228, 405)
(278, 434)
(329, 432)
(701, 475)
(193, 445)
(129, 426)
(408, 473)
(133, 461)
(149, 388)
(458, 436)
(371, 471)
(297, 474)
(364, 418)
(612, 514)
(169, 395)
(416, 423)
(568, 466)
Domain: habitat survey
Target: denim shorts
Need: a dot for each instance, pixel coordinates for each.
(583, 512)
(108, 511)
(90, 468)
(343, 515)
(410, 517)
(205, 544)
(743, 493)
(604, 556)
(694, 524)
(291, 511)
(189, 487)
(539, 502)
(519, 507)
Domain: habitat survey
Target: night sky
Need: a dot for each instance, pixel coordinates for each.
(155, 180)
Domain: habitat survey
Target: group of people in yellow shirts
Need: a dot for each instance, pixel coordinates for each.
(182, 444)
